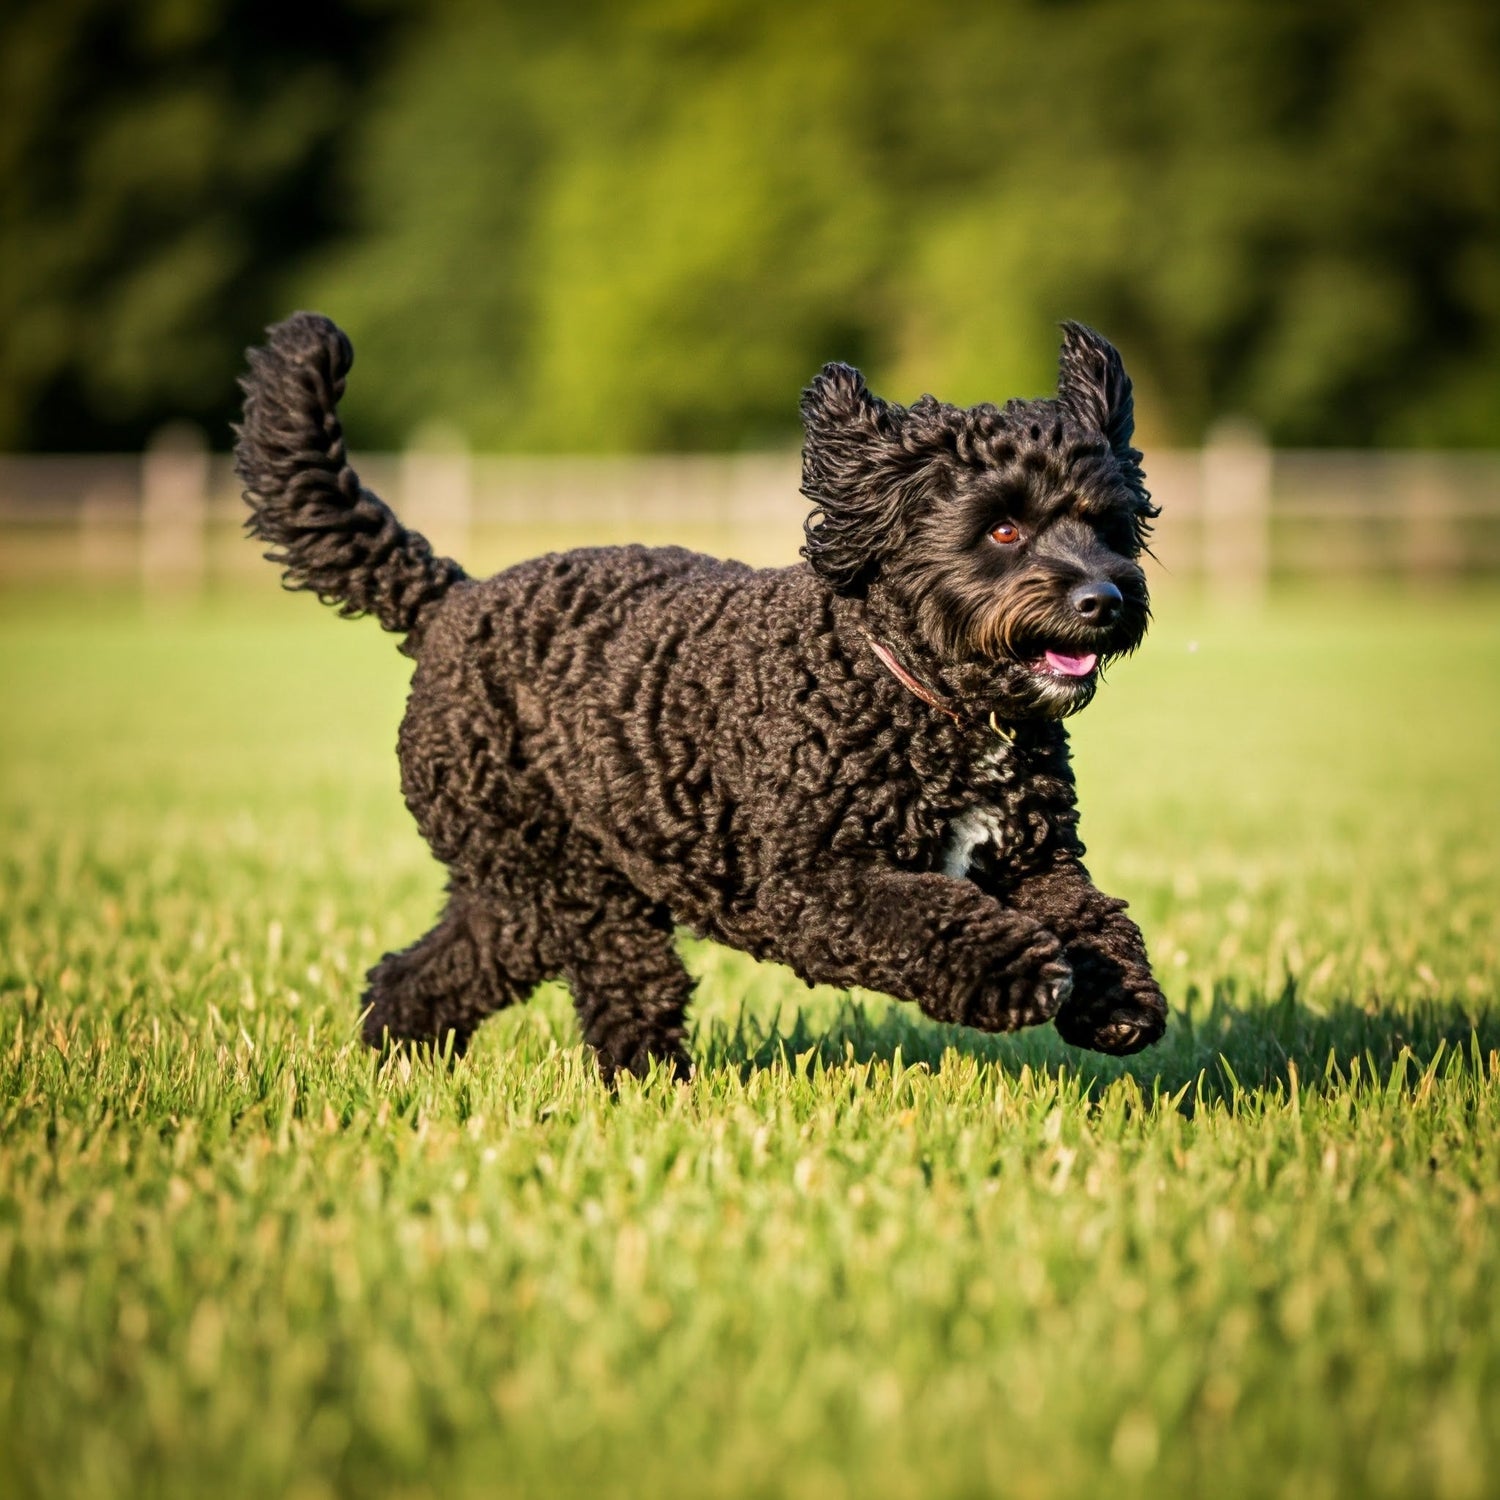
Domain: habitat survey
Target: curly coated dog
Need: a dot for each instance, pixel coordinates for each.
(854, 766)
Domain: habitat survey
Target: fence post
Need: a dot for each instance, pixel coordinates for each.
(437, 489)
(174, 508)
(1236, 513)
(1432, 549)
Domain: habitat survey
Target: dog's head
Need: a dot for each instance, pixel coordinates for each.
(1006, 536)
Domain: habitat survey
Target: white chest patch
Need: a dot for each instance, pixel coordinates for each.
(966, 833)
(979, 825)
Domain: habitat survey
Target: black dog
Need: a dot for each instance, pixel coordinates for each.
(854, 766)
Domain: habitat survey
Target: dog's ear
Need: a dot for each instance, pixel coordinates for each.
(1093, 387)
(838, 399)
(863, 470)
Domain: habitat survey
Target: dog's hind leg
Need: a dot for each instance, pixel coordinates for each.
(629, 986)
(448, 981)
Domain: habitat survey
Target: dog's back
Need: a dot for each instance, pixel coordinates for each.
(651, 700)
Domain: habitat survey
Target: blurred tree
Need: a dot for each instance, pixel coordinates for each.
(645, 223)
(614, 226)
(161, 164)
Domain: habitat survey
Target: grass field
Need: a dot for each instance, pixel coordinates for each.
(861, 1255)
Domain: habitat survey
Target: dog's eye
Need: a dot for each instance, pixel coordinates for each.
(1005, 534)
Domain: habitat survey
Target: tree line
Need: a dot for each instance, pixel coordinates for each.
(644, 224)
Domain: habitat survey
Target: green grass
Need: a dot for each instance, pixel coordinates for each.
(860, 1255)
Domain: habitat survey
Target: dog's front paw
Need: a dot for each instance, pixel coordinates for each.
(1028, 990)
(1119, 1020)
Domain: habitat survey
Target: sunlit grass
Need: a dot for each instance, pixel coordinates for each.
(860, 1254)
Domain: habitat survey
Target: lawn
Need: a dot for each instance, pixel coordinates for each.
(861, 1254)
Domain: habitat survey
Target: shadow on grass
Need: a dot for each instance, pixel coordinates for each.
(1217, 1048)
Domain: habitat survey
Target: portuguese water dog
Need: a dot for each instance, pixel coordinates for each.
(854, 766)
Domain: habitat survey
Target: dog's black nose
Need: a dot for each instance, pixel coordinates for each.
(1098, 602)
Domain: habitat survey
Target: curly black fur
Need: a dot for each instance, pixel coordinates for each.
(602, 745)
(335, 538)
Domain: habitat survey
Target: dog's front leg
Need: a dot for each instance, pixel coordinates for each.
(958, 953)
(1116, 1005)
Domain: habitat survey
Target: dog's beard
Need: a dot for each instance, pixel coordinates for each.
(1023, 692)
(1021, 645)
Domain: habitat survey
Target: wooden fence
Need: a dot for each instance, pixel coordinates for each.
(1235, 515)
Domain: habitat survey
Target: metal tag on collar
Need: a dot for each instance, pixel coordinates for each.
(1005, 731)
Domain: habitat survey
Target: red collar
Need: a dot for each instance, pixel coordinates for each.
(925, 693)
(894, 667)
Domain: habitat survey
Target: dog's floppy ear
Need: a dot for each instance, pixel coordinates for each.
(859, 465)
(1093, 387)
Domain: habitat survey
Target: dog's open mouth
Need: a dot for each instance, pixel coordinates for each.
(1062, 664)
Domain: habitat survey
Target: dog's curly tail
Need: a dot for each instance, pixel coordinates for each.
(332, 536)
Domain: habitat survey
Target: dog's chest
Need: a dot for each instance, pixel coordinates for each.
(984, 827)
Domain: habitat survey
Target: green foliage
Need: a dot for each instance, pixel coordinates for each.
(860, 1254)
(645, 224)
(161, 163)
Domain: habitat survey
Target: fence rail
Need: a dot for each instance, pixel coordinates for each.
(1234, 514)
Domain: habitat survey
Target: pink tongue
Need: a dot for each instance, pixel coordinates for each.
(1071, 666)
